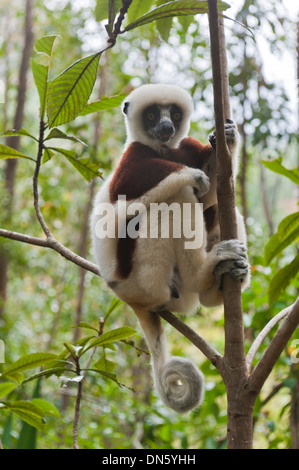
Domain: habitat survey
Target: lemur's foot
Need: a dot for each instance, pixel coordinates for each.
(231, 134)
(201, 182)
(233, 260)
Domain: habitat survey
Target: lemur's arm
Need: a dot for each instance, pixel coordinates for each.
(143, 177)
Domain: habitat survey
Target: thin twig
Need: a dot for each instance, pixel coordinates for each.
(101, 330)
(212, 354)
(53, 244)
(39, 216)
(262, 370)
(77, 405)
(262, 335)
(117, 27)
(80, 385)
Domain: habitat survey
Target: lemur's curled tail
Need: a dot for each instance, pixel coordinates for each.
(178, 381)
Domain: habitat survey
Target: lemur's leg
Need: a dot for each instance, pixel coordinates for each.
(228, 256)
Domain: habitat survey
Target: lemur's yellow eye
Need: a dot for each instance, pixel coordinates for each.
(177, 116)
(151, 116)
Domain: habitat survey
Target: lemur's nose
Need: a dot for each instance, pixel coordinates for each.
(166, 130)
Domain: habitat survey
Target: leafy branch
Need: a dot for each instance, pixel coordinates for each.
(62, 100)
(66, 366)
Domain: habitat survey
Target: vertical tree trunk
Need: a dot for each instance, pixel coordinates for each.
(10, 168)
(239, 410)
(239, 417)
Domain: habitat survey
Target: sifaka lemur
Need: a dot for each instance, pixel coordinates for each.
(162, 166)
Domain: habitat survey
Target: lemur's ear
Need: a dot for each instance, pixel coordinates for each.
(126, 107)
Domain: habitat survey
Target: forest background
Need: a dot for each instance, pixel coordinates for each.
(44, 296)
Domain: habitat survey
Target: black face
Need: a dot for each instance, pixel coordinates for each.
(162, 122)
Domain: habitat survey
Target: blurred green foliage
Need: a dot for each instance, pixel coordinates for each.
(43, 287)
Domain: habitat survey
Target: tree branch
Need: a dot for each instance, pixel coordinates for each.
(117, 26)
(234, 333)
(275, 348)
(224, 70)
(77, 405)
(212, 354)
(51, 242)
(39, 216)
(262, 335)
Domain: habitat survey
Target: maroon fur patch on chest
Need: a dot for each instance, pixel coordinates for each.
(141, 169)
(191, 152)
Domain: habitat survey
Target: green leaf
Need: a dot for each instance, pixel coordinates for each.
(47, 155)
(274, 247)
(8, 152)
(28, 412)
(58, 134)
(185, 22)
(28, 434)
(29, 362)
(69, 92)
(282, 279)
(101, 10)
(102, 104)
(113, 8)
(176, 8)
(106, 374)
(288, 231)
(114, 304)
(288, 226)
(87, 168)
(83, 341)
(105, 364)
(164, 27)
(40, 72)
(6, 388)
(47, 373)
(46, 407)
(86, 325)
(73, 350)
(21, 132)
(277, 167)
(110, 376)
(6, 437)
(45, 44)
(111, 336)
(104, 10)
(40, 75)
(16, 377)
(138, 8)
